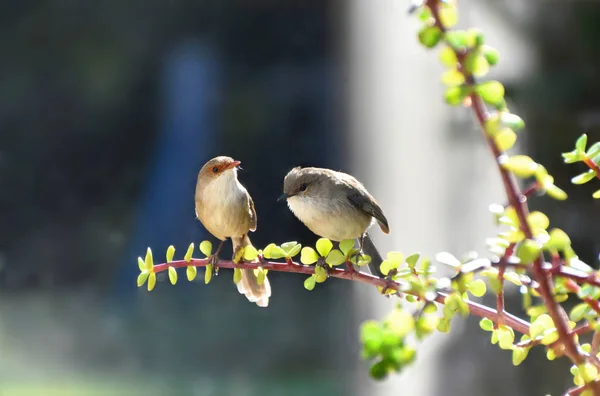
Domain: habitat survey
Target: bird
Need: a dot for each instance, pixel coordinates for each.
(333, 205)
(225, 208)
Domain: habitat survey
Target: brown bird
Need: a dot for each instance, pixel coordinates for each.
(226, 209)
(333, 205)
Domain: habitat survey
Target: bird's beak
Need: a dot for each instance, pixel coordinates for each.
(282, 197)
(233, 164)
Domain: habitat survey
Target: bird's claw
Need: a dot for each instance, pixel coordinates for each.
(214, 260)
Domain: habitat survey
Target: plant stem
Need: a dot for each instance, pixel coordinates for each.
(476, 309)
(519, 203)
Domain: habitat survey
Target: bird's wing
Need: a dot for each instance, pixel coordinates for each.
(362, 200)
(253, 219)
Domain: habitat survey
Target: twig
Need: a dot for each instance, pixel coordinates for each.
(514, 322)
(517, 201)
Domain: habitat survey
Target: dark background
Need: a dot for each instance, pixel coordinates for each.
(108, 110)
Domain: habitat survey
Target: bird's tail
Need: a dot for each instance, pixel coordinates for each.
(249, 286)
(376, 259)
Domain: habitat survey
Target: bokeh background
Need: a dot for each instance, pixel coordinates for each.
(108, 109)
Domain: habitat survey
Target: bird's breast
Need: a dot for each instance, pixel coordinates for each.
(330, 218)
(224, 209)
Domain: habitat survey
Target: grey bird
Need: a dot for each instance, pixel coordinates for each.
(333, 205)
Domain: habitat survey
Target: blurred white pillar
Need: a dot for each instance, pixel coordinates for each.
(424, 161)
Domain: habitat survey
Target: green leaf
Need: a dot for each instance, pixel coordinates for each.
(273, 251)
(173, 275)
(558, 239)
(379, 370)
(430, 36)
(540, 325)
(308, 256)
(476, 64)
(492, 92)
(486, 324)
(335, 257)
(346, 246)
(476, 37)
(453, 78)
(491, 54)
(555, 192)
(151, 281)
(324, 246)
(443, 325)
(512, 120)
(361, 259)
(505, 139)
(208, 273)
(513, 278)
(188, 254)
(142, 278)
(387, 265)
(287, 246)
(237, 275)
(572, 157)
(447, 57)
(455, 95)
(538, 220)
(519, 354)
(593, 151)
(588, 371)
(596, 195)
(506, 337)
(261, 275)
(528, 251)
(170, 253)
(448, 259)
(581, 143)
(457, 39)
(250, 253)
(448, 15)
(294, 251)
(412, 259)
(520, 165)
(191, 272)
(578, 312)
(141, 264)
(320, 274)
(206, 248)
(584, 177)
(148, 261)
(310, 282)
(477, 287)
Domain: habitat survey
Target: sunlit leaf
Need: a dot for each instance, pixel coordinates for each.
(581, 143)
(151, 281)
(477, 288)
(335, 257)
(142, 278)
(520, 165)
(206, 248)
(324, 246)
(486, 324)
(191, 272)
(141, 264)
(491, 54)
(250, 253)
(519, 354)
(148, 260)
(453, 78)
(308, 255)
(208, 273)
(584, 177)
(188, 254)
(448, 57)
(505, 139)
(237, 275)
(172, 275)
(492, 92)
(310, 282)
(430, 36)
(170, 253)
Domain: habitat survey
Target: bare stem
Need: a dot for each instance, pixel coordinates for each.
(514, 322)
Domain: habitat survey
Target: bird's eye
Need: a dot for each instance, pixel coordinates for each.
(303, 187)
(215, 170)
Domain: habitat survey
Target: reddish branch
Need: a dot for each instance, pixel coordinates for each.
(476, 309)
(519, 202)
(592, 165)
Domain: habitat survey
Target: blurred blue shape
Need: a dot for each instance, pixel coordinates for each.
(166, 213)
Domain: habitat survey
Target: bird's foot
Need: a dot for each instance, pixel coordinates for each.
(213, 259)
(321, 263)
